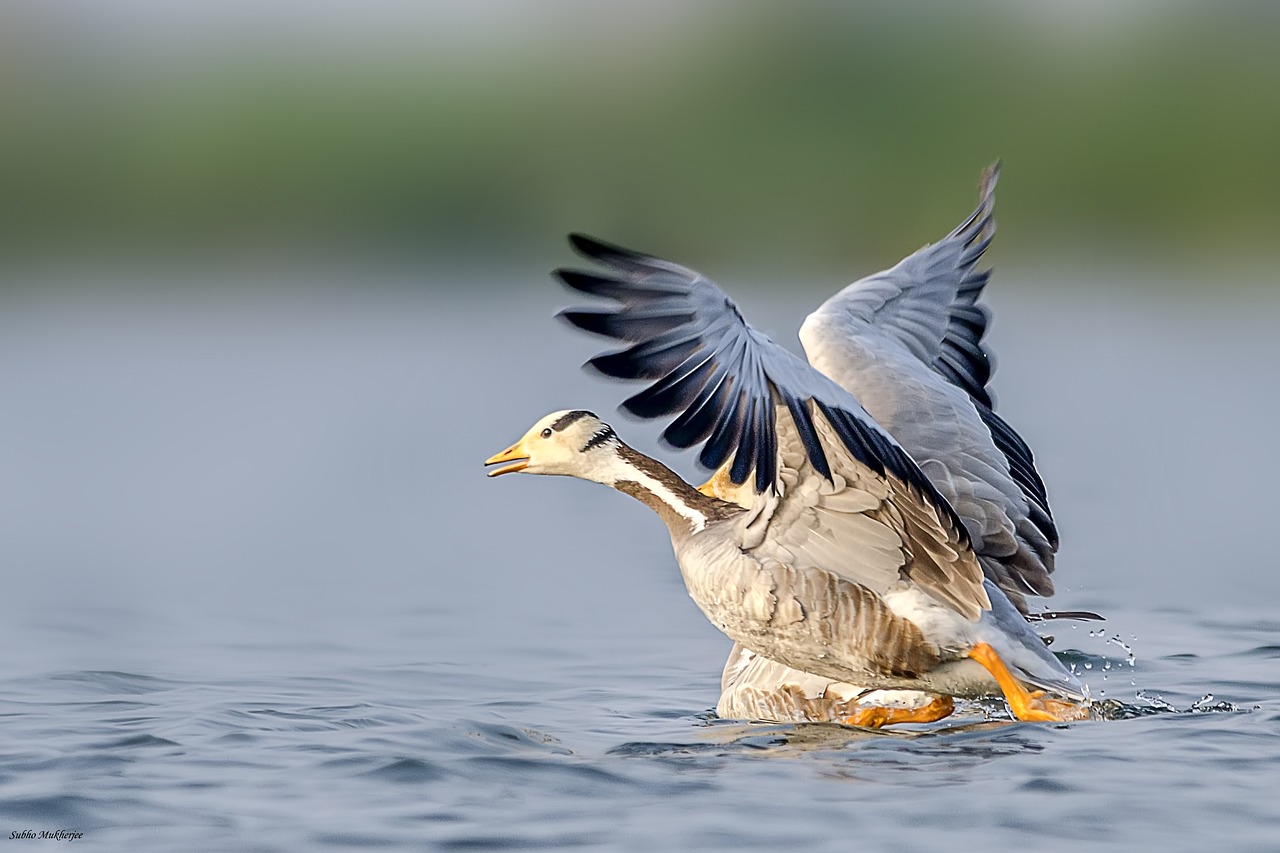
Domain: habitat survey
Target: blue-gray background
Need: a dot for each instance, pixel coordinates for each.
(274, 284)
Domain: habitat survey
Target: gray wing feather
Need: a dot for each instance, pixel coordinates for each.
(913, 302)
(862, 528)
(908, 343)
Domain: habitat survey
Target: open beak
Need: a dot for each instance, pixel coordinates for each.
(515, 454)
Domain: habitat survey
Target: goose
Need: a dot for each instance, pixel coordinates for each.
(820, 546)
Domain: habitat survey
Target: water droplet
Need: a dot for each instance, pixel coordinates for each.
(1128, 650)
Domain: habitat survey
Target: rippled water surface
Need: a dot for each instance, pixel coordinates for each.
(259, 595)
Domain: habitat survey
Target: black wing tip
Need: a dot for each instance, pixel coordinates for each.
(1078, 615)
(584, 243)
(601, 250)
(579, 280)
(596, 322)
(590, 366)
(803, 421)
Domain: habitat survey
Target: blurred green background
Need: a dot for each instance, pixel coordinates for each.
(840, 135)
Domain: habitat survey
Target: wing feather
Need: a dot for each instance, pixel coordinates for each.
(865, 528)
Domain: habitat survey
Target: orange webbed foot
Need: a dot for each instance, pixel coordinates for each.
(1029, 706)
(1038, 709)
(877, 716)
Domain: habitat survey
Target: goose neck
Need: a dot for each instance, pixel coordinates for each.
(680, 505)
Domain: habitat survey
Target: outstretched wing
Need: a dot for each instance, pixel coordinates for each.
(717, 374)
(908, 343)
(731, 388)
(912, 303)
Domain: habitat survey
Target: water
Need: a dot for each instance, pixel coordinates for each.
(259, 595)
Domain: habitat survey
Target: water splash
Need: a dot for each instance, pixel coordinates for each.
(1154, 703)
(1206, 705)
(1130, 658)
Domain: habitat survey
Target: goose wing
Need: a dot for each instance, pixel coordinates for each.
(908, 343)
(927, 303)
(846, 499)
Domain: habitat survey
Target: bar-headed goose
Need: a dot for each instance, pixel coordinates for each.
(841, 559)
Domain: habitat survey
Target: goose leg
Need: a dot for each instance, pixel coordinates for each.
(1027, 706)
(875, 716)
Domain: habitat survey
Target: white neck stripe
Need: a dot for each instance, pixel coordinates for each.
(696, 519)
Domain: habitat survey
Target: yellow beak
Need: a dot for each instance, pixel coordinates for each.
(515, 454)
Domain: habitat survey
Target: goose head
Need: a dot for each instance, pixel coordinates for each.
(573, 443)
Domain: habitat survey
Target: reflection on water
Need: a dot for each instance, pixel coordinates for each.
(795, 739)
(259, 592)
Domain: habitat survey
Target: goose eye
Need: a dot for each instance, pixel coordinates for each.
(546, 433)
